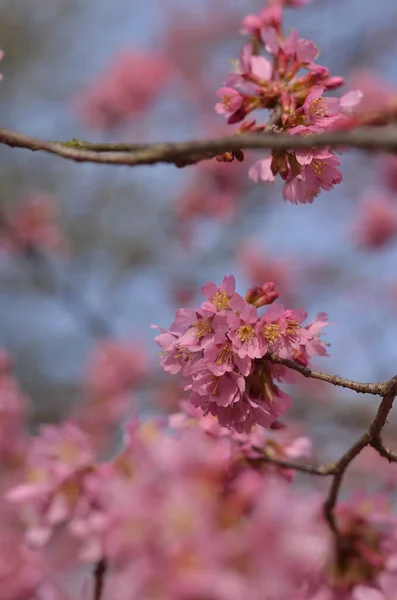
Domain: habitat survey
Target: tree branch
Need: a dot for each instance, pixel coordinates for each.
(361, 388)
(99, 579)
(190, 152)
(370, 438)
(322, 470)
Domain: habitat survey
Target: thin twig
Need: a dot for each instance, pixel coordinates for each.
(361, 388)
(378, 445)
(370, 438)
(99, 579)
(322, 470)
(190, 152)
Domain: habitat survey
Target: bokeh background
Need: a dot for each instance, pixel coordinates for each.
(126, 246)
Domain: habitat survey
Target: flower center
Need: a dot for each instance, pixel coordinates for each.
(227, 101)
(318, 108)
(224, 355)
(221, 300)
(201, 327)
(292, 327)
(245, 333)
(318, 166)
(271, 332)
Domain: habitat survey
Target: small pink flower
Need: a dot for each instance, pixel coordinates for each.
(376, 224)
(302, 50)
(320, 172)
(58, 462)
(271, 329)
(203, 329)
(320, 111)
(222, 298)
(270, 16)
(243, 332)
(261, 68)
(231, 101)
(127, 88)
(219, 358)
(262, 170)
(223, 390)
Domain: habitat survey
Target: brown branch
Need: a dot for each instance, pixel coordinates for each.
(322, 470)
(99, 579)
(361, 388)
(370, 438)
(378, 445)
(183, 153)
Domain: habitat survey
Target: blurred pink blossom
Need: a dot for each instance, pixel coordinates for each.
(33, 225)
(127, 89)
(259, 268)
(376, 222)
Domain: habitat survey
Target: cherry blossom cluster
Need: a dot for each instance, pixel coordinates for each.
(188, 509)
(291, 85)
(181, 514)
(219, 350)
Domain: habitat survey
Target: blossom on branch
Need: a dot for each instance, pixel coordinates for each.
(219, 351)
(296, 101)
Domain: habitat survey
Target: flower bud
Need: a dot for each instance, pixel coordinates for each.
(262, 295)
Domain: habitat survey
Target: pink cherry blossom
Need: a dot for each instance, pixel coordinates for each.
(231, 101)
(58, 462)
(33, 226)
(129, 85)
(222, 298)
(270, 16)
(376, 223)
(242, 332)
(320, 111)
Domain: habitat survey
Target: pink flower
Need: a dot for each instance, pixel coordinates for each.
(204, 328)
(222, 357)
(271, 329)
(320, 173)
(243, 334)
(115, 367)
(260, 267)
(231, 101)
(222, 298)
(270, 16)
(320, 111)
(13, 416)
(174, 357)
(376, 224)
(22, 571)
(260, 68)
(127, 88)
(222, 391)
(302, 50)
(261, 169)
(33, 226)
(58, 462)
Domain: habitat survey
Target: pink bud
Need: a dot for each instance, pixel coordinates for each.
(331, 83)
(262, 295)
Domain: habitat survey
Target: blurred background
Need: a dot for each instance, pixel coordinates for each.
(91, 255)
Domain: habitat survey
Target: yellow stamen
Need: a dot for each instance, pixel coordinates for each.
(292, 327)
(271, 332)
(245, 333)
(202, 327)
(224, 355)
(318, 166)
(221, 300)
(227, 101)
